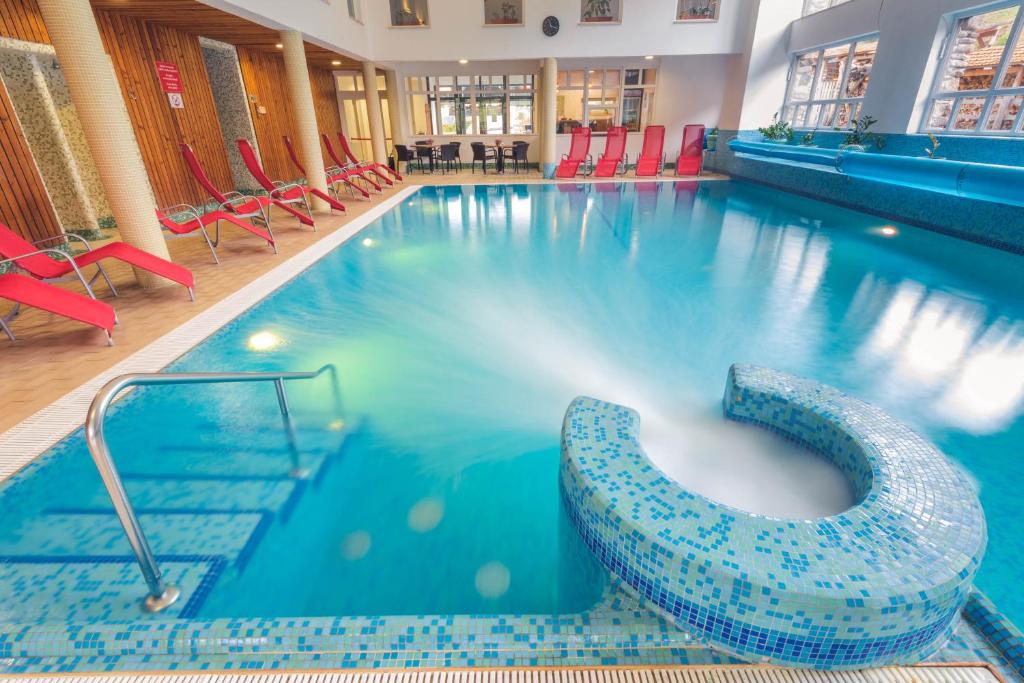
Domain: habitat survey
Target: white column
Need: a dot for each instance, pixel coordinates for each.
(373, 113)
(395, 107)
(549, 117)
(306, 134)
(108, 131)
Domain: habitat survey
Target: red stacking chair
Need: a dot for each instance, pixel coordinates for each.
(691, 155)
(652, 156)
(382, 171)
(25, 291)
(353, 171)
(197, 221)
(284, 195)
(614, 154)
(579, 155)
(41, 264)
(334, 175)
(237, 204)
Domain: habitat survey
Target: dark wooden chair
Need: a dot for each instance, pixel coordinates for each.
(404, 155)
(446, 157)
(517, 155)
(457, 146)
(481, 153)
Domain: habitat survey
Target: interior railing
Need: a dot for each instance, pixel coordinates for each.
(161, 594)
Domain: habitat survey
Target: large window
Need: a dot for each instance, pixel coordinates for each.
(471, 105)
(812, 6)
(355, 122)
(980, 85)
(601, 98)
(827, 85)
(409, 13)
(355, 10)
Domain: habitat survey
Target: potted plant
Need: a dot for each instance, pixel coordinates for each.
(808, 139)
(778, 131)
(598, 10)
(712, 140)
(859, 136)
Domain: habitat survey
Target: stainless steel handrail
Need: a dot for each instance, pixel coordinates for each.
(161, 594)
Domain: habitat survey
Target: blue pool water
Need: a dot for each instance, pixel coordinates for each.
(462, 324)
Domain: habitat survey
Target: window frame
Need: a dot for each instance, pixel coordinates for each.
(355, 10)
(811, 101)
(647, 101)
(435, 92)
(990, 94)
(615, 20)
(425, 24)
(831, 4)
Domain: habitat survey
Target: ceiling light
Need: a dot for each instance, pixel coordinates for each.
(279, 46)
(335, 62)
(463, 61)
(649, 57)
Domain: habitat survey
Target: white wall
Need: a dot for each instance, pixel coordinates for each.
(911, 31)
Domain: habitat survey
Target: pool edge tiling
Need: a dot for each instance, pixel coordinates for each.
(826, 593)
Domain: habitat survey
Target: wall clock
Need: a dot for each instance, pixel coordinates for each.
(550, 26)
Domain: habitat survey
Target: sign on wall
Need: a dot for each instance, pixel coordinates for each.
(170, 83)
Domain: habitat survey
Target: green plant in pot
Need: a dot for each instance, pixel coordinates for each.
(778, 131)
(860, 136)
(808, 139)
(933, 151)
(712, 139)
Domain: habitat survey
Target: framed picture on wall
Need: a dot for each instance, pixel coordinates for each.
(503, 12)
(409, 13)
(600, 11)
(697, 10)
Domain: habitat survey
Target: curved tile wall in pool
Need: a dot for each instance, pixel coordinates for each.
(881, 583)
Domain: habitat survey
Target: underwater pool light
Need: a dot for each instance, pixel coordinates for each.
(889, 231)
(368, 242)
(264, 341)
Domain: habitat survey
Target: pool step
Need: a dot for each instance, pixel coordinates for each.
(85, 589)
(97, 533)
(952, 673)
(200, 492)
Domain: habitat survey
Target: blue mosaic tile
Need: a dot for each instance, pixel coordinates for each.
(881, 583)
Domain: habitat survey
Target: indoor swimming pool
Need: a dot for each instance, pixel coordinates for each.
(462, 324)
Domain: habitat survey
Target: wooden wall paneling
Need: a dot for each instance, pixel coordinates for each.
(264, 78)
(325, 102)
(197, 123)
(24, 205)
(134, 46)
(21, 19)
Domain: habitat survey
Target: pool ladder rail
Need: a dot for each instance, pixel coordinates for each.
(161, 594)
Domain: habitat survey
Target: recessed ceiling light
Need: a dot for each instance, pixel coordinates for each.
(279, 46)
(649, 57)
(463, 61)
(336, 62)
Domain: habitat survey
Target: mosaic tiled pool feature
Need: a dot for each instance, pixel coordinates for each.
(881, 583)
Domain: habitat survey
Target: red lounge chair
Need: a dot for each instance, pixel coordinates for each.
(25, 291)
(652, 156)
(371, 166)
(198, 221)
(282, 194)
(40, 264)
(691, 156)
(345, 167)
(579, 155)
(614, 154)
(333, 177)
(237, 204)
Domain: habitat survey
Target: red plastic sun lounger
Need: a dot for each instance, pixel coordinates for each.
(691, 155)
(237, 204)
(652, 156)
(283, 194)
(24, 291)
(382, 171)
(579, 155)
(333, 175)
(197, 221)
(41, 264)
(614, 154)
(353, 171)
